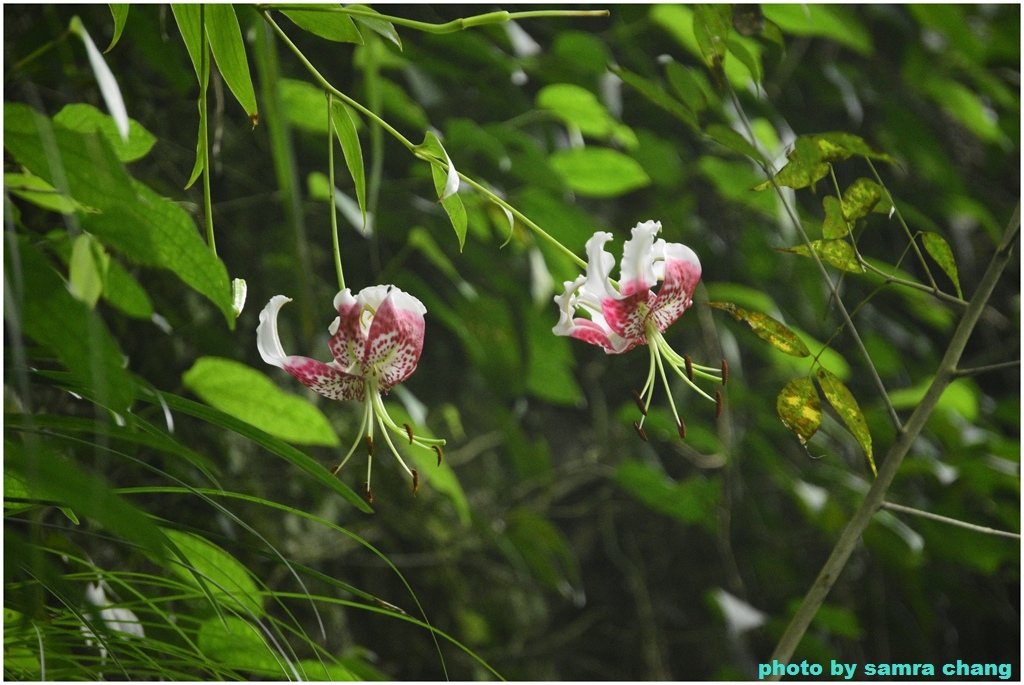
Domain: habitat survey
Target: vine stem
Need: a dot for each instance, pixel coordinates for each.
(953, 522)
(905, 438)
(204, 122)
(416, 150)
(330, 174)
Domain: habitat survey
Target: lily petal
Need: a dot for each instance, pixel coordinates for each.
(326, 379)
(637, 269)
(348, 337)
(395, 340)
(267, 340)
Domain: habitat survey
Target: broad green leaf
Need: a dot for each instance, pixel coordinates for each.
(767, 328)
(550, 363)
(599, 172)
(584, 51)
(828, 21)
(87, 119)
(282, 449)
(87, 269)
(842, 400)
(377, 23)
(960, 396)
(658, 96)
(799, 407)
(751, 60)
(124, 292)
(238, 644)
(304, 105)
(33, 189)
(732, 140)
(51, 477)
(332, 25)
(861, 198)
(229, 50)
(120, 13)
(544, 550)
(251, 396)
(711, 26)
(78, 337)
(225, 578)
(678, 21)
(109, 89)
(16, 487)
(318, 671)
(838, 253)
(578, 107)
(398, 103)
(835, 225)
(345, 127)
(694, 500)
(686, 86)
(967, 107)
(940, 251)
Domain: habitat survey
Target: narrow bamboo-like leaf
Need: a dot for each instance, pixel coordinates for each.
(658, 96)
(87, 269)
(599, 172)
(732, 140)
(767, 328)
(251, 396)
(345, 128)
(380, 26)
(451, 183)
(860, 198)
(227, 579)
(188, 18)
(453, 205)
(40, 193)
(334, 26)
(940, 251)
(750, 60)
(686, 86)
(109, 89)
(799, 407)
(842, 400)
(838, 253)
(229, 51)
(282, 449)
(711, 26)
(835, 225)
(120, 13)
(87, 119)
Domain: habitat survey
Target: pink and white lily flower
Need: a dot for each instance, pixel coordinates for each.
(376, 342)
(622, 316)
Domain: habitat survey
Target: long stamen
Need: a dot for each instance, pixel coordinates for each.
(387, 439)
(363, 430)
(668, 390)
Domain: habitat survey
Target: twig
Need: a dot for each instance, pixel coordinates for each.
(905, 438)
(959, 373)
(952, 522)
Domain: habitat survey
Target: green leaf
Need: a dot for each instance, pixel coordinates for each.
(694, 500)
(51, 477)
(237, 644)
(767, 328)
(940, 251)
(658, 96)
(804, 167)
(53, 318)
(303, 104)
(188, 18)
(750, 60)
(87, 119)
(828, 21)
(578, 107)
(842, 400)
(453, 205)
(835, 225)
(226, 579)
(686, 86)
(229, 51)
(345, 127)
(87, 269)
(319, 472)
(124, 292)
(120, 13)
(550, 361)
(599, 172)
(33, 189)
(544, 550)
(732, 140)
(251, 396)
(380, 26)
(838, 253)
(711, 26)
(861, 198)
(799, 408)
(333, 25)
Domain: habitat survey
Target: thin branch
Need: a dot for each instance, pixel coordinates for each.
(905, 439)
(945, 297)
(952, 522)
(959, 373)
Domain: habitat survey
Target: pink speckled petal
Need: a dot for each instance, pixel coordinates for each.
(395, 340)
(676, 293)
(348, 337)
(626, 316)
(588, 331)
(637, 268)
(325, 379)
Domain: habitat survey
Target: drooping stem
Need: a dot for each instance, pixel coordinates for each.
(905, 439)
(331, 191)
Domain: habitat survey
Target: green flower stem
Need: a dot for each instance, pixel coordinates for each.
(204, 122)
(330, 174)
(412, 147)
(906, 437)
(448, 27)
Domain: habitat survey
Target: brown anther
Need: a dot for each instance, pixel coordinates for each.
(369, 445)
(335, 470)
(640, 403)
(640, 431)
(718, 403)
(415, 481)
(689, 366)
(682, 428)
(369, 494)
(725, 372)
(440, 454)
(408, 429)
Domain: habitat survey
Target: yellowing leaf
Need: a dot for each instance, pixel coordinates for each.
(843, 401)
(799, 408)
(838, 253)
(835, 225)
(860, 198)
(767, 328)
(940, 251)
